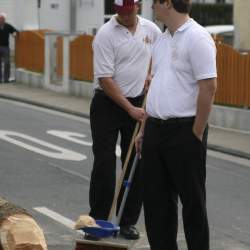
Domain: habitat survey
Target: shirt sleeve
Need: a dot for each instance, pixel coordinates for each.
(104, 59)
(203, 59)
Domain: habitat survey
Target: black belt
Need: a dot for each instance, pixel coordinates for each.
(173, 120)
(101, 92)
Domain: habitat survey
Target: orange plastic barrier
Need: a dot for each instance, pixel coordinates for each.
(81, 58)
(30, 50)
(233, 77)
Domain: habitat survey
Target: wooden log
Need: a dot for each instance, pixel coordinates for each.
(18, 230)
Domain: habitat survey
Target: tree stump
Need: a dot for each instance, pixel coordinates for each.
(18, 230)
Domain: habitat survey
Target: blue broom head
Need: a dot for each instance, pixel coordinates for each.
(105, 229)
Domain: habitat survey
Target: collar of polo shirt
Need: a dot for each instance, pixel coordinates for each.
(183, 27)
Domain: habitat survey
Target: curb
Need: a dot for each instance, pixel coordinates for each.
(229, 151)
(43, 105)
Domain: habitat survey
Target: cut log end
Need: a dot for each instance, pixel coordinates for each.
(18, 230)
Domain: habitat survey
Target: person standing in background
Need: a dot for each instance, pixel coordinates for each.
(5, 30)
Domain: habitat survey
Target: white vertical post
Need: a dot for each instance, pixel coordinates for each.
(241, 24)
(66, 63)
(147, 11)
(47, 61)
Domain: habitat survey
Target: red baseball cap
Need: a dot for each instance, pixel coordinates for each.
(124, 6)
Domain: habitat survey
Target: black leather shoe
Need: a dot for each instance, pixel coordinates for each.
(91, 237)
(129, 232)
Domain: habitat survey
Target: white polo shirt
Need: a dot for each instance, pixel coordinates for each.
(123, 56)
(179, 62)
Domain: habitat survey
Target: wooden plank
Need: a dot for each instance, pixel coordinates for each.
(100, 245)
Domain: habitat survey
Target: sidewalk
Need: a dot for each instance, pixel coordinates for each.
(224, 140)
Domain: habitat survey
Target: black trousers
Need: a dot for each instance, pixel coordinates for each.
(107, 120)
(5, 59)
(174, 165)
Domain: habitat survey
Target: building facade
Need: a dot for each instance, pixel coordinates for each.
(8, 7)
(68, 15)
(62, 15)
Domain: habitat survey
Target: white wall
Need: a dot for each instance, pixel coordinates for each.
(20, 13)
(90, 13)
(55, 15)
(26, 13)
(147, 11)
(8, 6)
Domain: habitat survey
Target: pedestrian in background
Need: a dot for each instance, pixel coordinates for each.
(122, 53)
(5, 30)
(174, 133)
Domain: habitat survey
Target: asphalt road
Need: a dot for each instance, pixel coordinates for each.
(45, 164)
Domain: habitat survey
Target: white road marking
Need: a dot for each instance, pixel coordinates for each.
(61, 153)
(71, 136)
(55, 216)
(86, 178)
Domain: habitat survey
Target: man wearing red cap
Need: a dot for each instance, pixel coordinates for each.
(122, 53)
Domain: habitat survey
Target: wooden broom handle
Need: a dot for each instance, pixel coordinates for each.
(125, 166)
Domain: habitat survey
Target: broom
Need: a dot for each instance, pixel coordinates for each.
(104, 245)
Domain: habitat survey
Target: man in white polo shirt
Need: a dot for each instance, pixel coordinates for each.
(122, 53)
(174, 133)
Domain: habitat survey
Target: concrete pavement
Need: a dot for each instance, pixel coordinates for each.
(229, 141)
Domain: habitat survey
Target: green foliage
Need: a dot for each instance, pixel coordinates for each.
(212, 14)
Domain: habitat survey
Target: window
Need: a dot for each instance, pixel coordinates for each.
(106, 19)
(108, 10)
